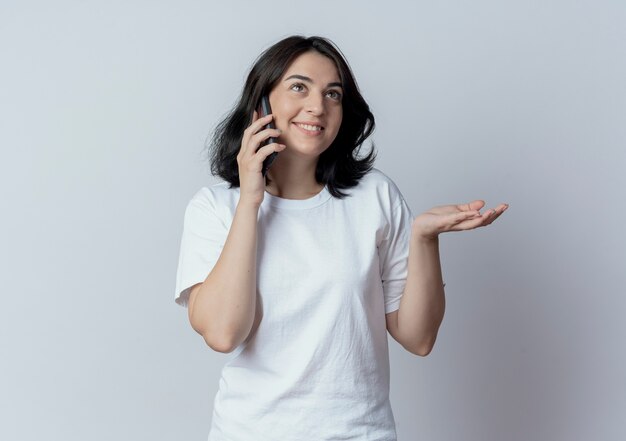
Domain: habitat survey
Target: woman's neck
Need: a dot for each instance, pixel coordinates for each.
(294, 180)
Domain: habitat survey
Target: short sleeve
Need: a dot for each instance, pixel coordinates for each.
(393, 253)
(204, 235)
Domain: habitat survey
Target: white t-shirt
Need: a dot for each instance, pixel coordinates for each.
(328, 270)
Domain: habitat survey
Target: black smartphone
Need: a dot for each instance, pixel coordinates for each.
(264, 109)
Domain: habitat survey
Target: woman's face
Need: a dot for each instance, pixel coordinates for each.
(306, 104)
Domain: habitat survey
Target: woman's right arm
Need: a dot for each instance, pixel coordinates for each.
(222, 308)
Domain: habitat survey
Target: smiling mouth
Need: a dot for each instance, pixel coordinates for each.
(309, 127)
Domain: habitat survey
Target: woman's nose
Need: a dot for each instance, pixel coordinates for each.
(315, 104)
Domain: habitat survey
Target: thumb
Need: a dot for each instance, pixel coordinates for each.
(476, 205)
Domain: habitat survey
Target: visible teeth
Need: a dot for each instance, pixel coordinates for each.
(308, 127)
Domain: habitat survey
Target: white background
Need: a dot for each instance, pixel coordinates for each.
(105, 108)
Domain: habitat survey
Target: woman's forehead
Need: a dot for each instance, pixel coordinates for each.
(314, 66)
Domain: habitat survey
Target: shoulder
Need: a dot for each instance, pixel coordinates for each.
(214, 196)
(382, 187)
(378, 177)
(215, 201)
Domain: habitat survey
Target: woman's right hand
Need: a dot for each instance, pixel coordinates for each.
(250, 161)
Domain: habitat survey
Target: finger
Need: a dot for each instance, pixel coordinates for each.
(267, 150)
(477, 204)
(459, 221)
(489, 216)
(480, 221)
(464, 215)
(496, 213)
(259, 123)
(252, 129)
(246, 133)
(498, 210)
(255, 162)
(472, 206)
(258, 138)
(473, 221)
(469, 224)
(445, 209)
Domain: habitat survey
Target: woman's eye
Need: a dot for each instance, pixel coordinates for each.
(334, 94)
(297, 85)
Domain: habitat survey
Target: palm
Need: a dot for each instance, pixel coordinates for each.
(460, 217)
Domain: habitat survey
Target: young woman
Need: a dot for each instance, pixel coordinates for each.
(300, 274)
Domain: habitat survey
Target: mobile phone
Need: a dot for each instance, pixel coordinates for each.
(264, 109)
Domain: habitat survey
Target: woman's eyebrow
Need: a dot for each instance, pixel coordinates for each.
(307, 79)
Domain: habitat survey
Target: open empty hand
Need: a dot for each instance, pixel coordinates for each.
(431, 223)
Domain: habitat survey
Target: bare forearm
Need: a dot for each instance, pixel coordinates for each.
(224, 307)
(423, 304)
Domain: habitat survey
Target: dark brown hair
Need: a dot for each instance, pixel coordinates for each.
(338, 166)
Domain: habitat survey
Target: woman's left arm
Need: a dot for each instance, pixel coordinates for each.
(423, 303)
